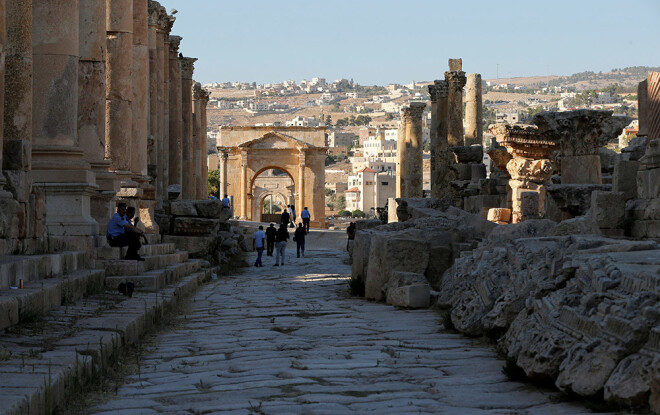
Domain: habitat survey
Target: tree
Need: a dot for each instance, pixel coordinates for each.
(344, 213)
(342, 122)
(341, 202)
(328, 120)
(328, 191)
(336, 107)
(357, 213)
(276, 208)
(214, 183)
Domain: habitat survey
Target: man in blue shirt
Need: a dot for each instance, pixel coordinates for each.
(226, 202)
(305, 217)
(122, 233)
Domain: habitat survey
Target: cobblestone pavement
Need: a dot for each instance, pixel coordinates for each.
(290, 340)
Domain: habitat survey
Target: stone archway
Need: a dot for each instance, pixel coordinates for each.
(263, 216)
(261, 185)
(246, 152)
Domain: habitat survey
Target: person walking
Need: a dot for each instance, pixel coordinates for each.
(350, 231)
(285, 218)
(258, 244)
(305, 215)
(270, 239)
(299, 237)
(292, 216)
(280, 243)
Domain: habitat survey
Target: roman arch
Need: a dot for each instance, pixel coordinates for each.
(246, 152)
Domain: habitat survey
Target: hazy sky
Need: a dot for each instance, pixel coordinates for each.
(382, 41)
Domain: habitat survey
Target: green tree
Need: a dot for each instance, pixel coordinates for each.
(344, 213)
(357, 213)
(276, 208)
(341, 202)
(336, 107)
(214, 183)
(328, 191)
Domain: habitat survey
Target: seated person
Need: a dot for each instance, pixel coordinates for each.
(122, 233)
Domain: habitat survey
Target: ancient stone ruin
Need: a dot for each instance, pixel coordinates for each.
(554, 256)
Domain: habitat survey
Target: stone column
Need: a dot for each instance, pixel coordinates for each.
(92, 107)
(456, 79)
(653, 111)
(203, 183)
(187, 185)
(581, 134)
(441, 158)
(224, 156)
(163, 49)
(140, 98)
(410, 180)
(473, 111)
(57, 162)
(3, 40)
(642, 107)
(18, 89)
(244, 185)
(196, 156)
(175, 118)
(155, 82)
(300, 204)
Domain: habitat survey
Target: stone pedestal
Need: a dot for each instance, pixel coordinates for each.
(187, 146)
(409, 175)
(473, 111)
(175, 113)
(442, 160)
(456, 80)
(58, 165)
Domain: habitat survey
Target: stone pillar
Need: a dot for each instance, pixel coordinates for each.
(187, 185)
(409, 174)
(653, 111)
(196, 156)
(18, 88)
(203, 182)
(442, 159)
(642, 107)
(57, 162)
(3, 53)
(92, 107)
(175, 124)
(164, 58)
(244, 185)
(456, 79)
(530, 167)
(581, 134)
(300, 204)
(140, 98)
(224, 156)
(154, 144)
(473, 111)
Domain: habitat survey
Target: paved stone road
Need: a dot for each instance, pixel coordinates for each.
(290, 340)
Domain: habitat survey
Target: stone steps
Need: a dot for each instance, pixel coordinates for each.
(40, 296)
(13, 268)
(155, 280)
(107, 252)
(120, 267)
(40, 369)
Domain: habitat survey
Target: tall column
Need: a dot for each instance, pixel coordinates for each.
(175, 119)
(155, 81)
(410, 180)
(92, 106)
(642, 108)
(196, 164)
(441, 158)
(224, 156)
(456, 79)
(244, 185)
(57, 161)
(140, 98)
(18, 88)
(203, 183)
(473, 111)
(653, 108)
(3, 52)
(187, 185)
(301, 181)
(163, 49)
(119, 88)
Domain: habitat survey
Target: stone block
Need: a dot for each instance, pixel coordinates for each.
(581, 225)
(648, 184)
(367, 223)
(478, 172)
(646, 229)
(581, 170)
(194, 226)
(624, 178)
(19, 184)
(529, 205)
(183, 208)
(209, 208)
(499, 215)
(410, 296)
(464, 171)
(608, 209)
(196, 246)
(468, 154)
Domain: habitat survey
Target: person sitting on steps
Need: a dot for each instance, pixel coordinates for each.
(122, 233)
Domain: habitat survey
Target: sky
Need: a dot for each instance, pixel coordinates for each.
(397, 41)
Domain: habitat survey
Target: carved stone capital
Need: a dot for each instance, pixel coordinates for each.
(157, 15)
(527, 170)
(524, 141)
(197, 91)
(581, 132)
(168, 24)
(439, 89)
(187, 67)
(414, 112)
(456, 80)
(175, 42)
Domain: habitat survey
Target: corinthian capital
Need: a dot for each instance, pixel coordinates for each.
(439, 89)
(187, 67)
(456, 79)
(197, 91)
(414, 112)
(175, 42)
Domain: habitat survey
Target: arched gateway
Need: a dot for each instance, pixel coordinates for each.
(246, 152)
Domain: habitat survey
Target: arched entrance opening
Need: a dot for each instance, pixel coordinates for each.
(272, 189)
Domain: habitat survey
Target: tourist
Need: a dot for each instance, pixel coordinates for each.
(305, 218)
(350, 231)
(280, 243)
(285, 218)
(122, 233)
(270, 239)
(299, 237)
(226, 203)
(134, 220)
(212, 197)
(292, 218)
(258, 244)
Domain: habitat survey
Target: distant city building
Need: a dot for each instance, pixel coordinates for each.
(507, 117)
(340, 138)
(304, 122)
(379, 147)
(369, 189)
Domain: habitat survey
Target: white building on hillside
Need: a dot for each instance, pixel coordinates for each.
(369, 189)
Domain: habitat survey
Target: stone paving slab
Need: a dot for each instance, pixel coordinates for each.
(291, 340)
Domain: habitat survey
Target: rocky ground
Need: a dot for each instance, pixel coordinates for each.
(292, 340)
